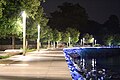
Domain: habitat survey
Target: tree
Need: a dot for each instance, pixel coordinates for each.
(110, 24)
(11, 14)
(65, 37)
(112, 39)
(56, 36)
(50, 36)
(68, 15)
(32, 25)
(74, 35)
(11, 29)
(116, 40)
(108, 39)
(88, 38)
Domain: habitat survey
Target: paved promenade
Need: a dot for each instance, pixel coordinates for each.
(42, 65)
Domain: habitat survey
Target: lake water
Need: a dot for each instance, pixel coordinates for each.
(108, 66)
(94, 63)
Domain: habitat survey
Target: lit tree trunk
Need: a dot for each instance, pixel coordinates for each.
(67, 44)
(48, 43)
(13, 42)
(51, 44)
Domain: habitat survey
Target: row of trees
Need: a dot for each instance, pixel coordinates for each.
(11, 23)
(112, 40)
(69, 21)
(11, 20)
(56, 36)
(75, 16)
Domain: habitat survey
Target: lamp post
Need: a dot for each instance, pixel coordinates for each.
(24, 32)
(83, 41)
(38, 40)
(95, 42)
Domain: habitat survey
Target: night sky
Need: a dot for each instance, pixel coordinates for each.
(98, 10)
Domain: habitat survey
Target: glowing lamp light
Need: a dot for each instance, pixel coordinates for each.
(24, 32)
(38, 40)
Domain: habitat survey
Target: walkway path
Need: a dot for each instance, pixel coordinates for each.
(42, 65)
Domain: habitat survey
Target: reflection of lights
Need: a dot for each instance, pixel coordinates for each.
(93, 63)
(83, 63)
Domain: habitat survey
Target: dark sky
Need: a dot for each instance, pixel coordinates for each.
(98, 10)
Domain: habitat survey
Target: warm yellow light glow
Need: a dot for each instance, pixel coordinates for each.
(23, 14)
(38, 40)
(24, 32)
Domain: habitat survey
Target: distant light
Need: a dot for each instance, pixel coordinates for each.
(23, 14)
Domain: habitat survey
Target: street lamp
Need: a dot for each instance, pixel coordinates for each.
(24, 32)
(38, 40)
(83, 41)
(95, 42)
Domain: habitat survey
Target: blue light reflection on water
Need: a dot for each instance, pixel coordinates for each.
(83, 53)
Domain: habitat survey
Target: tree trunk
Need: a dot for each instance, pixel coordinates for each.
(48, 44)
(51, 44)
(67, 44)
(13, 42)
(40, 44)
(26, 43)
(57, 44)
(54, 44)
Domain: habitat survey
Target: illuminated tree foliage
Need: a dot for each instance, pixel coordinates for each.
(74, 35)
(56, 36)
(65, 37)
(88, 38)
(11, 11)
(108, 39)
(112, 39)
(2, 3)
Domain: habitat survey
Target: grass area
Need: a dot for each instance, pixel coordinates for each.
(9, 54)
(30, 50)
(3, 57)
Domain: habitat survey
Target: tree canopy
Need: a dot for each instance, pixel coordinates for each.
(11, 19)
(12, 10)
(110, 24)
(68, 15)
